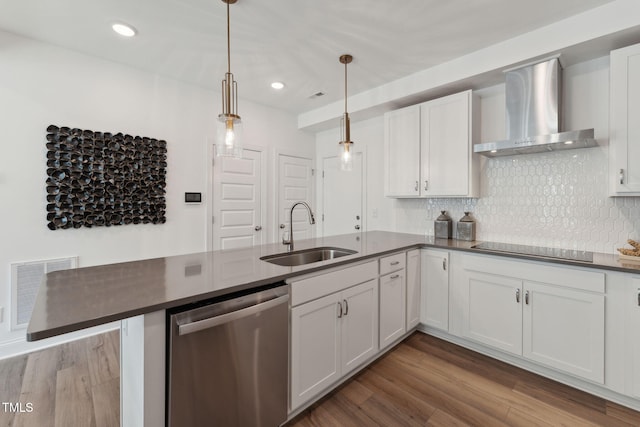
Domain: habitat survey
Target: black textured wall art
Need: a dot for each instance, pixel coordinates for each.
(104, 179)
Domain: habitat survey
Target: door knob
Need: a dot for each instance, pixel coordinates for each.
(357, 227)
(258, 228)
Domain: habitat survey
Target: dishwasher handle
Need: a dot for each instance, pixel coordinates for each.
(189, 328)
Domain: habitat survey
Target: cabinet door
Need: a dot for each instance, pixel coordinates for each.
(402, 152)
(359, 324)
(624, 128)
(435, 289)
(315, 340)
(564, 328)
(445, 146)
(493, 314)
(413, 288)
(634, 342)
(392, 307)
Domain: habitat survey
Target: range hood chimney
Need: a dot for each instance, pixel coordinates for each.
(533, 95)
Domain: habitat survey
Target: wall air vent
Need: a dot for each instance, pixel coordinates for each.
(25, 281)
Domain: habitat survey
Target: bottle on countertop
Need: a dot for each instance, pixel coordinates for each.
(466, 228)
(443, 226)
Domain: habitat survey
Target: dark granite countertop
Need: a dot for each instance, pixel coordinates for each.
(79, 298)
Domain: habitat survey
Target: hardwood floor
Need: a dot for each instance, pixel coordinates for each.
(423, 382)
(428, 382)
(74, 384)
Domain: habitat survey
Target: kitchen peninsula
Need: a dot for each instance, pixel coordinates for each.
(140, 292)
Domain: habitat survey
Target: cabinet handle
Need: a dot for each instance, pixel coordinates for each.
(258, 228)
(426, 185)
(518, 296)
(357, 227)
(346, 307)
(444, 264)
(395, 276)
(281, 225)
(340, 314)
(417, 186)
(395, 263)
(526, 297)
(621, 176)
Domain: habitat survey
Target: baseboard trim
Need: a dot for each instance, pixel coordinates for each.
(577, 383)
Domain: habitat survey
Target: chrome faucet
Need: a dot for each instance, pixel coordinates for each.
(287, 238)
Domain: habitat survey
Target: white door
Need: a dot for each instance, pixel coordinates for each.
(341, 197)
(633, 320)
(564, 328)
(413, 288)
(359, 324)
(238, 200)
(435, 289)
(444, 127)
(315, 346)
(493, 312)
(624, 128)
(295, 184)
(402, 152)
(392, 307)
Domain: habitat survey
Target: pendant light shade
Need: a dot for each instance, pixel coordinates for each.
(345, 152)
(229, 134)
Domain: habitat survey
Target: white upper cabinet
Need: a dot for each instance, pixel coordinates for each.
(429, 149)
(624, 126)
(402, 152)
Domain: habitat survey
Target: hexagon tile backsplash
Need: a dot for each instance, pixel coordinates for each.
(557, 199)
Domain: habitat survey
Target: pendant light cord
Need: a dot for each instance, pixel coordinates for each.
(345, 87)
(228, 41)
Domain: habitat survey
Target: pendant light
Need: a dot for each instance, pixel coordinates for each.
(346, 145)
(229, 124)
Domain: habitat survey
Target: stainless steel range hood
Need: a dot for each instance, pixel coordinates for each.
(533, 95)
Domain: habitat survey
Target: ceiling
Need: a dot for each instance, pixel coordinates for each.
(297, 42)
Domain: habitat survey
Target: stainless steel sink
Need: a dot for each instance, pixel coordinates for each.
(307, 256)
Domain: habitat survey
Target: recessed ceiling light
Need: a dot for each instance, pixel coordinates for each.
(277, 85)
(124, 30)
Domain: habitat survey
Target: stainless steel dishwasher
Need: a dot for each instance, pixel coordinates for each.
(228, 362)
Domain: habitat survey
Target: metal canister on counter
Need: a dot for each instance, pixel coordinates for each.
(443, 226)
(466, 228)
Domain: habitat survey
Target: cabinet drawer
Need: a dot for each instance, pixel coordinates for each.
(392, 263)
(310, 288)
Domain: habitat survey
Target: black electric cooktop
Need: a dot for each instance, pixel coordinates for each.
(538, 251)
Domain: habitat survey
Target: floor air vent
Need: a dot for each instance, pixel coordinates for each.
(25, 281)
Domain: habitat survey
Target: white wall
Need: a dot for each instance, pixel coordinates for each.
(557, 199)
(41, 84)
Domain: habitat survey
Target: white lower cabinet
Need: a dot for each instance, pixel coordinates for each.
(493, 314)
(550, 315)
(633, 320)
(564, 328)
(359, 325)
(330, 336)
(392, 307)
(434, 273)
(414, 290)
